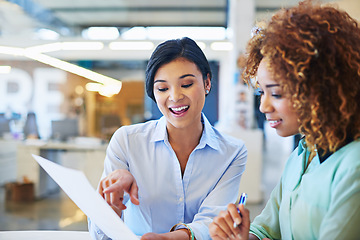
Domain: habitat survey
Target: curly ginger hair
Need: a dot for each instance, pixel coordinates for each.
(314, 53)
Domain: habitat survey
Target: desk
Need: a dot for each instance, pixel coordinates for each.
(44, 235)
(7, 161)
(86, 158)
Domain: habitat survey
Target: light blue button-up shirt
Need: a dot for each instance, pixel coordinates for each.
(321, 201)
(210, 181)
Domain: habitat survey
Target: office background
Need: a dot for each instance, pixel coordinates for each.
(51, 106)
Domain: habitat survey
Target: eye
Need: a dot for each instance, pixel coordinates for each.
(187, 85)
(162, 89)
(277, 96)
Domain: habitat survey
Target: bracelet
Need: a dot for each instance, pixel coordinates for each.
(192, 236)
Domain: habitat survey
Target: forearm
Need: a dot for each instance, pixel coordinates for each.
(181, 234)
(178, 234)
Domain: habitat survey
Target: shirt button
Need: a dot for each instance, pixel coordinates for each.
(181, 199)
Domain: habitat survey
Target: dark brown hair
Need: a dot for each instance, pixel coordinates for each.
(314, 53)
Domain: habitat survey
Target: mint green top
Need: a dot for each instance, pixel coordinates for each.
(320, 202)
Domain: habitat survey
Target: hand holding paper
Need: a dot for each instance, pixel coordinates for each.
(77, 187)
(113, 187)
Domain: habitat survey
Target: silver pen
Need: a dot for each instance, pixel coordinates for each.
(242, 201)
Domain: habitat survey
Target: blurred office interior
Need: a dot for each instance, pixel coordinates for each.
(72, 72)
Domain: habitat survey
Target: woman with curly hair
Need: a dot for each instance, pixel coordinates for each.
(306, 63)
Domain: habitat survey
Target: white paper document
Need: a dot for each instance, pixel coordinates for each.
(77, 187)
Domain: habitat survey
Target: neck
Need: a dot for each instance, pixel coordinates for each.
(185, 138)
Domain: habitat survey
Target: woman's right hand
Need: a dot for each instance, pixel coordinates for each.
(112, 189)
(222, 226)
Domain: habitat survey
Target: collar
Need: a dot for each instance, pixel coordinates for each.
(302, 147)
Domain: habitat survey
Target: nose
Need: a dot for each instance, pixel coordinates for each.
(266, 105)
(176, 95)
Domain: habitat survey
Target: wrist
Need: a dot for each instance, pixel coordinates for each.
(186, 228)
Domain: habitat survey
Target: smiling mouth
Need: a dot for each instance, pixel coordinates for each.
(274, 123)
(179, 110)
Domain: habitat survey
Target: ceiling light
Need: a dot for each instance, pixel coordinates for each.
(201, 45)
(164, 33)
(111, 86)
(101, 33)
(47, 34)
(198, 33)
(82, 46)
(5, 69)
(131, 45)
(67, 46)
(93, 87)
(83, 72)
(50, 47)
(135, 33)
(221, 46)
(12, 51)
(107, 91)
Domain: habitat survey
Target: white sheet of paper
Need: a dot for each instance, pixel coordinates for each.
(77, 187)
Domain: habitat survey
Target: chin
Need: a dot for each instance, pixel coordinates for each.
(285, 134)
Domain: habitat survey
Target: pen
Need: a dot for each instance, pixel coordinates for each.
(242, 201)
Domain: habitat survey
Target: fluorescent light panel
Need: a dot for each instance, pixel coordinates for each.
(12, 51)
(67, 46)
(5, 69)
(141, 45)
(101, 33)
(110, 86)
(93, 87)
(163, 33)
(47, 34)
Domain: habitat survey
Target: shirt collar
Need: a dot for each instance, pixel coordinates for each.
(208, 136)
(160, 133)
(319, 156)
(301, 146)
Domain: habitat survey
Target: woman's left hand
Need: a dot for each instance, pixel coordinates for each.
(222, 226)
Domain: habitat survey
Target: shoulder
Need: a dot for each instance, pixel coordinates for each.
(223, 136)
(348, 157)
(227, 139)
(226, 144)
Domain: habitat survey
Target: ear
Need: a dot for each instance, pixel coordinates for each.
(207, 83)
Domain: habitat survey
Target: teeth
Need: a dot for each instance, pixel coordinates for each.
(179, 108)
(274, 121)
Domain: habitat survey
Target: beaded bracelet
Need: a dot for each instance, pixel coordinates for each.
(192, 236)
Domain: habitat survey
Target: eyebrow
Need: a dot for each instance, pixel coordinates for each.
(272, 85)
(159, 80)
(181, 77)
(187, 75)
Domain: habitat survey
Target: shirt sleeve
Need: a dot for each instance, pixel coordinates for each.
(225, 191)
(266, 225)
(343, 216)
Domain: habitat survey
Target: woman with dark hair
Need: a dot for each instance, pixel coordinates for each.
(306, 63)
(178, 172)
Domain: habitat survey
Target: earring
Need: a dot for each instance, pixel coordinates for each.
(207, 91)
